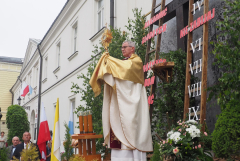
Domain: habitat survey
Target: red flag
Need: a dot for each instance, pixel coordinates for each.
(25, 89)
(43, 135)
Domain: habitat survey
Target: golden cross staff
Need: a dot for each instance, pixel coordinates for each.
(106, 38)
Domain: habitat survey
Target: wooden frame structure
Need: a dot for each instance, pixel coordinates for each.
(204, 65)
(181, 9)
(84, 146)
(176, 8)
(156, 50)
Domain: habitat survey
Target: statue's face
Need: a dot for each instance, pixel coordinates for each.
(127, 50)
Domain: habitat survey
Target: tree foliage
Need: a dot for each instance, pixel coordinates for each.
(227, 55)
(29, 154)
(135, 27)
(226, 51)
(17, 122)
(4, 152)
(67, 144)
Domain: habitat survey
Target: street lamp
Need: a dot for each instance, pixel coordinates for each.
(0, 114)
(0, 118)
(19, 100)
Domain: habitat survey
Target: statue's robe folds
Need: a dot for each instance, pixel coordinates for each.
(125, 106)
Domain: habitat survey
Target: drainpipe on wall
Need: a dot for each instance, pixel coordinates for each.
(18, 78)
(112, 13)
(39, 90)
(12, 95)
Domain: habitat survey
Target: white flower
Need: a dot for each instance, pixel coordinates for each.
(176, 137)
(169, 133)
(191, 122)
(193, 131)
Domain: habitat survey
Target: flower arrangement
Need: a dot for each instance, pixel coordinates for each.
(185, 143)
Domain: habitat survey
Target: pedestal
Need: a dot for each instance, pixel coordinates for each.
(84, 146)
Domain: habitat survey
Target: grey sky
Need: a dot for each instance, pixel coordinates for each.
(24, 19)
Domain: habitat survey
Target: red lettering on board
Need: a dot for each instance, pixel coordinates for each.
(209, 15)
(205, 18)
(164, 27)
(198, 22)
(213, 13)
(150, 99)
(201, 22)
(191, 27)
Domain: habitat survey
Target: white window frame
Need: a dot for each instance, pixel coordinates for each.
(45, 67)
(75, 31)
(101, 11)
(72, 101)
(35, 75)
(58, 53)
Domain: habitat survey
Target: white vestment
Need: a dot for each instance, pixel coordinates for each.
(125, 110)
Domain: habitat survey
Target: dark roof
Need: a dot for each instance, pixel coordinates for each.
(11, 60)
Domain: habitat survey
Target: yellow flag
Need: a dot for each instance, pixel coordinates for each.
(55, 152)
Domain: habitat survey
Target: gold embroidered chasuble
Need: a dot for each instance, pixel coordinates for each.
(125, 107)
(131, 69)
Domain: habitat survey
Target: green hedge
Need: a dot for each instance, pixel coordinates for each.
(17, 122)
(226, 136)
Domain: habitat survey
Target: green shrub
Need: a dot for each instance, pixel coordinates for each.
(4, 154)
(17, 122)
(227, 55)
(67, 144)
(226, 136)
(156, 153)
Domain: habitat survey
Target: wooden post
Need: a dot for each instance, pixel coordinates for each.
(89, 146)
(80, 146)
(189, 61)
(149, 41)
(204, 69)
(93, 146)
(84, 147)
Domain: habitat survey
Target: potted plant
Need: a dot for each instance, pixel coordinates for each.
(185, 143)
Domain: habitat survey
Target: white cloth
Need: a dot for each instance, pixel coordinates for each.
(128, 155)
(14, 148)
(125, 110)
(3, 144)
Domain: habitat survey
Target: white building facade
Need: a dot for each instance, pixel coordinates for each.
(66, 51)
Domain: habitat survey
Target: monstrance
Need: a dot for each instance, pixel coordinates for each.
(106, 38)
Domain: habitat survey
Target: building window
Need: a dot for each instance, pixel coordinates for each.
(75, 40)
(35, 131)
(45, 67)
(54, 110)
(100, 14)
(36, 76)
(72, 105)
(58, 54)
(30, 79)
